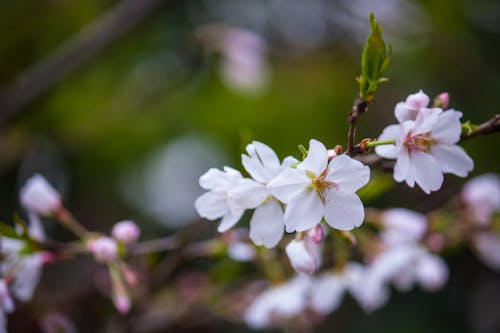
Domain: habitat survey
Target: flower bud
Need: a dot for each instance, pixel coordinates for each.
(304, 255)
(316, 234)
(104, 249)
(39, 197)
(126, 232)
(122, 302)
(442, 100)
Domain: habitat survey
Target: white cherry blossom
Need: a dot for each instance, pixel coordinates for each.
(426, 148)
(317, 189)
(487, 246)
(217, 203)
(402, 226)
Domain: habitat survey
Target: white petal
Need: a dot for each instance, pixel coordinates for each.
(349, 174)
(488, 249)
(389, 133)
(426, 120)
(431, 272)
(326, 293)
(418, 100)
(27, 277)
(262, 163)
(402, 226)
(211, 205)
(304, 255)
(448, 127)
(288, 184)
(343, 210)
(317, 158)
(426, 171)
(404, 113)
(267, 224)
(39, 197)
(304, 212)
(402, 168)
(229, 220)
(215, 178)
(266, 155)
(452, 159)
(288, 161)
(247, 194)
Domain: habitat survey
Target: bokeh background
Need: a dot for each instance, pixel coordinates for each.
(122, 105)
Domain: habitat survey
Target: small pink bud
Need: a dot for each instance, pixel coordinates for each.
(331, 153)
(304, 255)
(39, 197)
(129, 275)
(316, 234)
(126, 232)
(436, 242)
(442, 100)
(104, 249)
(122, 303)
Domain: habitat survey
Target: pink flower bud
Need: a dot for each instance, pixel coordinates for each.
(331, 153)
(316, 234)
(126, 232)
(122, 303)
(39, 197)
(442, 100)
(104, 249)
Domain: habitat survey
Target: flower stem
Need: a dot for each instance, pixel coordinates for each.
(67, 220)
(380, 143)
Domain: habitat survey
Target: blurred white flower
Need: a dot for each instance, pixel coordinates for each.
(304, 255)
(401, 226)
(126, 232)
(39, 197)
(487, 247)
(317, 189)
(482, 196)
(103, 248)
(241, 251)
(280, 302)
(426, 148)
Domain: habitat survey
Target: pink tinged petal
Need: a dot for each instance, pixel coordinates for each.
(452, 159)
(304, 212)
(343, 211)
(349, 174)
(230, 219)
(404, 113)
(426, 171)
(389, 133)
(448, 127)
(288, 184)
(267, 224)
(211, 205)
(317, 158)
(426, 120)
(246, 194)
(326, 293)
(418, 100)
(431, 272)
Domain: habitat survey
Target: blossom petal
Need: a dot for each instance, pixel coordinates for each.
(389, 133)
(211, 205)
(327, 293)
(402, 168)
(267, 224)
(215, 178)
(343, 211)
(431, 272)
(317, 158)
(426, 171)
(247, 194)
(452, 159)
(288, 184)
(448, 127)
(426, 120)
(349, 174)
(304, 212)
(229, 220)
(261, 163)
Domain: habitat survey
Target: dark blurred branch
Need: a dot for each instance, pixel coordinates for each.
(488, 127)
(360, 107)
(72, 54)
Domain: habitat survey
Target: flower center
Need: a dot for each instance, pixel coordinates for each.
(320, 184)
(420, 142)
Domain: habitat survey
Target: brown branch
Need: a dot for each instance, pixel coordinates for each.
(43, 75)
(360, 106)
(488, 127)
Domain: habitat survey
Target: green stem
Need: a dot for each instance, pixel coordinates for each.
(380, 143)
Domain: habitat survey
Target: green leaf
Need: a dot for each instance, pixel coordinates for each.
(374, 61)
(468, 128)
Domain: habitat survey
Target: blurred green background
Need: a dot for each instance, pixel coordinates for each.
(127, 133)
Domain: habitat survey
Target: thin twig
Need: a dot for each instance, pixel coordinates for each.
(360, 106)
(72, 54)
(488, 127)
